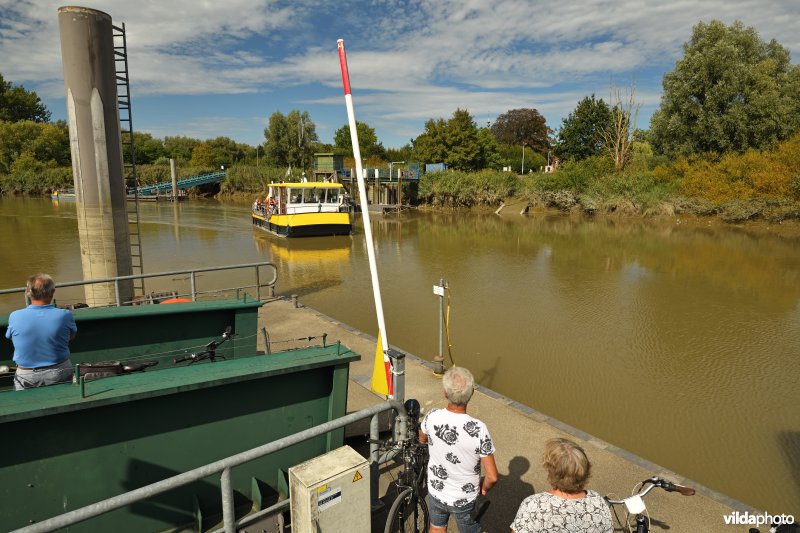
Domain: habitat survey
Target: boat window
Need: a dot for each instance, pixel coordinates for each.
(312, 196)
(333, 196)
(295, 196)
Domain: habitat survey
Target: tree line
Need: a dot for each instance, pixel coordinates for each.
(730, 95)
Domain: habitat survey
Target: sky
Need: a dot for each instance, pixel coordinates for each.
(203, 69)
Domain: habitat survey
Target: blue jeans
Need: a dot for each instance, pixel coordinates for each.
(440, 513)
(41, 377)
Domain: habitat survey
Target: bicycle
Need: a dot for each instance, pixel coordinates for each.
(778, 527)
(105, 369)
(209, 353)
(409, 512)
(635, 503)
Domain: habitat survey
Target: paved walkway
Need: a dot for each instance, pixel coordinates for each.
(519, 434)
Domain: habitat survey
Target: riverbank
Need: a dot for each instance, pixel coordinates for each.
(734, 212)
(785, 228)
(519, 433)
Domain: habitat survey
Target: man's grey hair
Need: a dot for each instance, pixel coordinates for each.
(40, 287)
(458, 385)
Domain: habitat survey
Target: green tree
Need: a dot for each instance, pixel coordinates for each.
(731, 91)
(148, 149)
(490, 150)
(463, 148)
(44, 142)
(290, 139)
(367, 141)
(431, 145)
(180, 148)
(511, 156)
(16, 103)
(404, 153)
(581, 133)
(227, 151)
(454, 141)
(519, 126)
(51, 146)
(276, 147)
(203, 156)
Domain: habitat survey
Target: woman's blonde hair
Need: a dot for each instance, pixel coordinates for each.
(567, 466)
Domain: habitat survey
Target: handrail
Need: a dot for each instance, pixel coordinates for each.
(184, 183)
(192, 273)
(222, 466)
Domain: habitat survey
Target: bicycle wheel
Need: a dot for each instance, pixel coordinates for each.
(408, 514)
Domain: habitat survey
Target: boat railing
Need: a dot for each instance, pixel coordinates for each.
(224, 466)
(193, 293)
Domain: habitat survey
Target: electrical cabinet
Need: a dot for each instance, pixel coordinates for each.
(330, 493)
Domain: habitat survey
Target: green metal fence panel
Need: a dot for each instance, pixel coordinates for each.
(61, 451)
(155, 332)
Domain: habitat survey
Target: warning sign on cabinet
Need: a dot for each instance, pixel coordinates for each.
(329, 498)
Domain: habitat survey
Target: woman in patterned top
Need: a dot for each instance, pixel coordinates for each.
(459, 445)
(567, 507)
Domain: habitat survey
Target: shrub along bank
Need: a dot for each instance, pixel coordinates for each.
(736, 187)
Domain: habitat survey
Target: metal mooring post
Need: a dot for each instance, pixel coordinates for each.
(438, 361)
(398, 374)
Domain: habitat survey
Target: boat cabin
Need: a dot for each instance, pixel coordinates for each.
(304, 209)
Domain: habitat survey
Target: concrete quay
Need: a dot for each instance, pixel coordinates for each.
(519, 434)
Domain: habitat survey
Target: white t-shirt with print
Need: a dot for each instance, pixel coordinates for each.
(456, 443)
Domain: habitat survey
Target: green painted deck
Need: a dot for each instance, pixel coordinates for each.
(62, 450)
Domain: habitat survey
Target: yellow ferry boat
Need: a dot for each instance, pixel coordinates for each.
(303, 209)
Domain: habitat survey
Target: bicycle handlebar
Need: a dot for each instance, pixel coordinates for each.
(209, 353)
(674, 487)
(650, 484)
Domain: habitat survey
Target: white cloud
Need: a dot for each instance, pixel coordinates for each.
(409, 59)
(206, 127)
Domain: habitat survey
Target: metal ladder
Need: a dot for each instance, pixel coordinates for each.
(128, 152)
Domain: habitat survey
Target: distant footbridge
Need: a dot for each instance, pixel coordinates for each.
(185, 183)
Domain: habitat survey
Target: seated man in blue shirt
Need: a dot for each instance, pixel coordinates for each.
(41, 334)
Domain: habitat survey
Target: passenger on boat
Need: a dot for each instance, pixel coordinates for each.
(568, 507)
(41, 334)
(271, 205)
(459, 446)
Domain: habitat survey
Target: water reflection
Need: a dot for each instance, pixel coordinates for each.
(312, 264)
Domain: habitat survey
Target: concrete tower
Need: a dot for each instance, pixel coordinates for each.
(87, 51)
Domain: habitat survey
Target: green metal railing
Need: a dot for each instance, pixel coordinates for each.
(223, 467)
(193, 294)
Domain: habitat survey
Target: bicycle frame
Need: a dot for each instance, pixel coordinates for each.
(409, 507)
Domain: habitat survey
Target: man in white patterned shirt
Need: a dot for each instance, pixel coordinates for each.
(459, 446)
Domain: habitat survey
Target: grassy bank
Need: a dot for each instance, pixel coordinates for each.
(734, 187)
(756, 185)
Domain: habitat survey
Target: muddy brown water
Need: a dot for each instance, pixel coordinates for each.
(675, 339)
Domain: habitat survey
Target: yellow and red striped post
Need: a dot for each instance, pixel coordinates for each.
(383, 339)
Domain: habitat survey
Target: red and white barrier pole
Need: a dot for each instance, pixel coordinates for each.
(362, 194)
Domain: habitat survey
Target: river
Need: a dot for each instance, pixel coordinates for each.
(677, 341)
